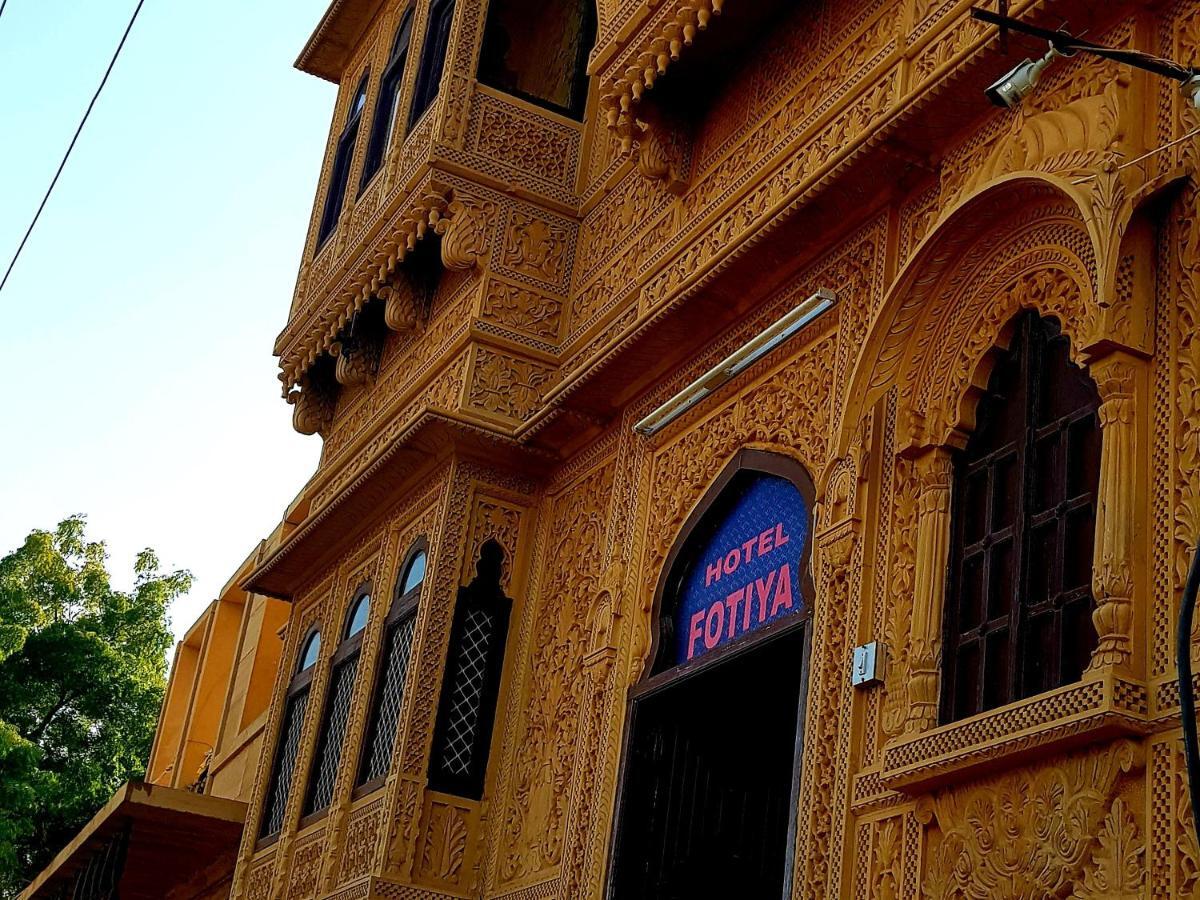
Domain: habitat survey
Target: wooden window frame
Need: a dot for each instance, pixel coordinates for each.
(301, 682)
(349, 648)
(1024, 521)
(403, 606)
(343, 160)
(387, 103)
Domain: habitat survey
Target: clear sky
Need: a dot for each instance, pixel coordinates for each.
(136, 331)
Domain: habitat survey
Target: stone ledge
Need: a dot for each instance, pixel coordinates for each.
(1103, 706)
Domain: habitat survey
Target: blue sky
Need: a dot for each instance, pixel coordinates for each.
(136, 330)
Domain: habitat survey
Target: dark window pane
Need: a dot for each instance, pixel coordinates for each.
(971, 607)
(470, 686)
(1001, 585)
(1077, 557)
(390, 84)
(1083, 469)
(974, 509)
(538, 51)
(1039, 653)
(1006, 491)
(967, 676)
(1077, 620)
(433, 58)
(466, 693)
(996, 674)
(1043, 549)
(1048, 483)
(336, 193)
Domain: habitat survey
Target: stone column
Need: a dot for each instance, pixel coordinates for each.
(1112, 562)
(934, 474)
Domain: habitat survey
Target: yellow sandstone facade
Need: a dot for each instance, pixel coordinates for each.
(510, 280)
(539, 222)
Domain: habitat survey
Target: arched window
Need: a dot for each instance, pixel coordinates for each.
(383, 125)
(388, 697)
(471, 685)
(340, 174)
(537, 50)
(711, 765)
(343, 669)
(1019, 599)
(280, 786)
(433, 58)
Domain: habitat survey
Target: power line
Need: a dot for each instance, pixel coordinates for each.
(71, 146)
(3, 3)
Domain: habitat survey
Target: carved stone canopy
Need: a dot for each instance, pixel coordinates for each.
(1022, 243)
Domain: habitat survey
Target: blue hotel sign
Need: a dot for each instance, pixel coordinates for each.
(747, 574)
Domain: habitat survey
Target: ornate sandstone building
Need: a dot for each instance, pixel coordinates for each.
(533, 652)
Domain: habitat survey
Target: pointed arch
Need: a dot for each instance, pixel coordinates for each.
(747, 467)
(1023, 242)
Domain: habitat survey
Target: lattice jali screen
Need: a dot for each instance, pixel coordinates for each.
(391, 697)
(329, 749)
(285, 764)
(471, 667)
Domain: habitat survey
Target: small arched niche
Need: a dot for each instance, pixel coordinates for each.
(537, 50)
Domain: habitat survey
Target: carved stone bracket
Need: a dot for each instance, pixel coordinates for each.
(464, 232)
(357, 354)
(934, 471)
(661, 153)
(312, 405)
(1112, 566)
(401, 312)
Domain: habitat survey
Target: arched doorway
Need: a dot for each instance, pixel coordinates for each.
(706, 805)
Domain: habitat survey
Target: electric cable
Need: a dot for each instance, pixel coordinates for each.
(71, 146)
(1187, 696)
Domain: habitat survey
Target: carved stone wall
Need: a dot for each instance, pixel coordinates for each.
(559, 255)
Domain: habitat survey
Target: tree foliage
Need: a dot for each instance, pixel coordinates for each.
(82, 675)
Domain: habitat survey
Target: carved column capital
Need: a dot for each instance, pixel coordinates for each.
(935, 473)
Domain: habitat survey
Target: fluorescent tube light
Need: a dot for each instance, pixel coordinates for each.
(738, 361)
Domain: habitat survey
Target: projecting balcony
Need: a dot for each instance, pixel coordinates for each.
(487, 148)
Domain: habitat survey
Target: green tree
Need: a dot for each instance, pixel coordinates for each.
(82, 675)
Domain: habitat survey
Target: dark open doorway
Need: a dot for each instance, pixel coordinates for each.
(711, 777)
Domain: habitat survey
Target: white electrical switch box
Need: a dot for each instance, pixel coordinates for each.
(868, 665)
